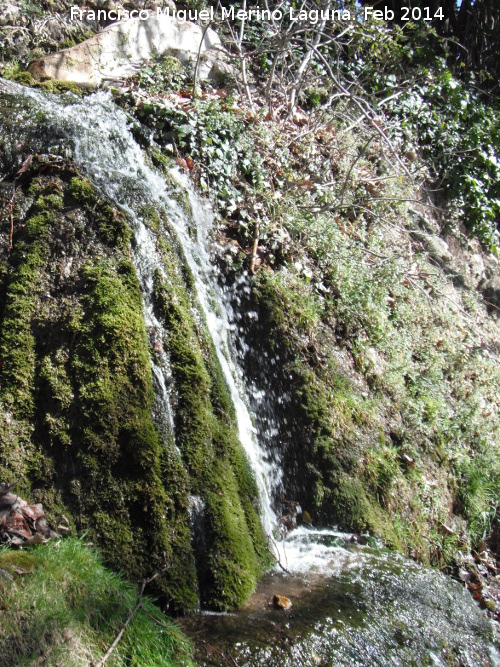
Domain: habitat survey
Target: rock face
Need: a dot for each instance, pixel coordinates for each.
(119, 51)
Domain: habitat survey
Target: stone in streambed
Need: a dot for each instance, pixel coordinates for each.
(281, 602)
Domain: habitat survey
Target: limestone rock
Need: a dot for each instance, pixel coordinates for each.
(121, 49)
(10, 14)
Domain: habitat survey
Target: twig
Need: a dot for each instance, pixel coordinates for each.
(8, 487)
(364, 112)
(238, 41)
(305, 62)
(348, 175)
(196, 69)
(255, 247)
(275, 554)
(130, 616)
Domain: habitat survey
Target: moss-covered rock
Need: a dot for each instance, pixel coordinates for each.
(76, 385)
(206, 433)
(76, 394)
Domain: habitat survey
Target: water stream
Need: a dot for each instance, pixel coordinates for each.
(354, 604)
(374, 608)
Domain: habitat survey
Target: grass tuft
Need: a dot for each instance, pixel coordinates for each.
(61, 606)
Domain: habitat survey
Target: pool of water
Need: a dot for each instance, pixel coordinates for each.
(373, 607)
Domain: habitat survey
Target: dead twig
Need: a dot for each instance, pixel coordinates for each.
(274, 554)
(255, 247)
(196, 69)
(130, 616)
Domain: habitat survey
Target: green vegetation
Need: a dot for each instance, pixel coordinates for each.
(349, 179)
(76, 387)
(401, 409)
(57, 86)
(77, 399)
(61, 606)
(362, 304)
(459, 134)
(162, 75)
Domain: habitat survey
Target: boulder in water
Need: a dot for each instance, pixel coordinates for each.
(122, 48)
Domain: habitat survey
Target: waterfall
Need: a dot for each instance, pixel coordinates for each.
(366, 605)
(196, 251)
(95, 133)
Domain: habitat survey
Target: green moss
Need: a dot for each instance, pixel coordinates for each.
(18, 347)
(112, 376)
(207, 436)
(232, 565)
(82, 190)
(76, 389)
(57, 86)
(334, 420)
(77, 399)
(23, 77)
(112, 226)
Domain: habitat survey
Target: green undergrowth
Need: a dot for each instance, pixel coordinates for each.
(393, 393)
(385, 354)
(60, 606)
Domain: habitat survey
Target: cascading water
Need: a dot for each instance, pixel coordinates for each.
(96, 135)
(357, 603)
(196, 249)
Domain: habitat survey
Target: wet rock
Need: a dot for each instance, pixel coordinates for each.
(122, 48)
(281, 602)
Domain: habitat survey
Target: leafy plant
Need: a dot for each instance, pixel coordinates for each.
(162, 75)
(459, 135)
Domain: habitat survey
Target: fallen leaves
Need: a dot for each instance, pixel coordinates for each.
(22, 524)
